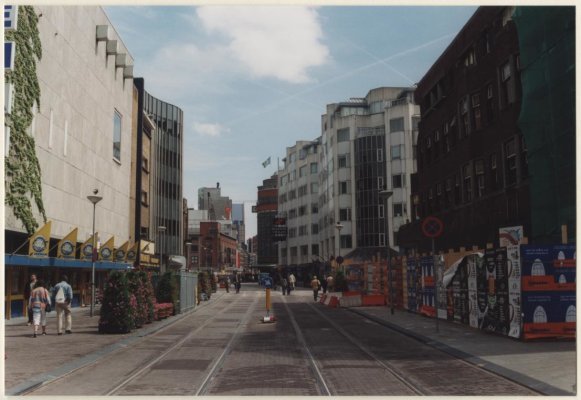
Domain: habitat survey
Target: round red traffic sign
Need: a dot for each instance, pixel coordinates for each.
(432, 227)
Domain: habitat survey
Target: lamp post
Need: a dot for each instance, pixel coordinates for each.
(385, 195)
(93, 199)
(339, 226)
(161, 229)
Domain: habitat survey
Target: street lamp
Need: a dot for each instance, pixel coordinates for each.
(385, 195)
(188, 254)
(161, 229)
(93, 199)
(339, 226)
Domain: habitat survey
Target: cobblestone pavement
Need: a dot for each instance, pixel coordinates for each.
(222, 349)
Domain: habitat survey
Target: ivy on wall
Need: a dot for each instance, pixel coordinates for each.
(23, 175)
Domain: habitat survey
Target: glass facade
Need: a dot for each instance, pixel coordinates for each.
(167, 178)
(368, 171)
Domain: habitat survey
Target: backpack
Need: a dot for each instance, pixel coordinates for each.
(60, 296)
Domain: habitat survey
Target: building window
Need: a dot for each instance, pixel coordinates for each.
(144, 198)
(510, 158)
(314, 168)
(345, 242)
(476, 111)
(305, 250)
(465, 118)
(494, 183)
(303, 230)
(506, 94)
(380, 182)
(344, 187)
(314, 208)
(343, 161)
(117, 136)
(479, 172)
(145, 164)
(343, 135)
(467, 183)
(396, 125)
(380, 212)
(303, 171)
(398, 181)
(397, 209)
(469, 58)
(382, 239)
(449, 198)
(457, 192)
(345, 214)
(314, 188)
(315, 249)
(302, 211)
(314, 229)
(396, 152)
(379, 155)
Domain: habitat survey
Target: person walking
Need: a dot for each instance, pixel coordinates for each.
(324, 284)
(315, 285)
(291, 281)
(63, 297)
(237, 285)
(227, 285)
(27, 290)
(284, 284)
(39, 299)
(330, 283)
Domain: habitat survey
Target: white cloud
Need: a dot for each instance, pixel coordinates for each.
(280, 42)
(212, 130)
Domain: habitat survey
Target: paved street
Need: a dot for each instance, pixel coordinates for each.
(223, 349)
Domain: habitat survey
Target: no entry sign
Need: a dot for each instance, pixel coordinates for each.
(432, 227)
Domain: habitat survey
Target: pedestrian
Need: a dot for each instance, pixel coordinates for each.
(39, 299)
(324, 284)
(315, 285)
(284, 285)
(63, 297)
(27, 290)
(237, 285)
(292, 280)
(330, 283)
(227, 284)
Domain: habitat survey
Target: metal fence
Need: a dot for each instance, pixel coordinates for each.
(188, 286)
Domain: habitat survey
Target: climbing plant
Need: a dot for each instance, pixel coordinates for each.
(23, 175)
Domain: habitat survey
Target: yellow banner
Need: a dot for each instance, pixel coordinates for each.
(87, 248)
(106, 251)
(132, 253)
(67, 247)
(39, 242)
(121, 252)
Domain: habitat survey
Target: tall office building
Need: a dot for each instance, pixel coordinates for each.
(219, 207)
(266, 209)
(238, 222)
(368, 145)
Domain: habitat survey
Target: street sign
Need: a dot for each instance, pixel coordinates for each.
(432, 227)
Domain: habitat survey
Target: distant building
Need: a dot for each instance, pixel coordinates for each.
(238, 222)
(266, 209)
(298, 203)
(218, 206)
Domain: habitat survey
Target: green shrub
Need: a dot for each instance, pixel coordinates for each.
(117, 309)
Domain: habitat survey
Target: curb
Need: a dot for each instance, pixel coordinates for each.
(532, 383)
(90, 358)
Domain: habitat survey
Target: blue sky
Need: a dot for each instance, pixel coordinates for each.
(253, 80)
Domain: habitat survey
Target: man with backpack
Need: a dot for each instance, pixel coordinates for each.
(63, 297)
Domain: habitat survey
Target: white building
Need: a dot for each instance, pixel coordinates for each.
(82, 128)
(298, 193)
(368, 145)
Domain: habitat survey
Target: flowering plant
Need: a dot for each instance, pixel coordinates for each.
(117, 313)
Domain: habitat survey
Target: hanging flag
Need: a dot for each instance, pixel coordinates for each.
(106, 251)
(265, 163)
(38, 246)
(87, 248)
(121, 252)
(132, 253)
(67, 247)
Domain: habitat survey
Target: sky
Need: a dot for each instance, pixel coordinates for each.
(253, 80)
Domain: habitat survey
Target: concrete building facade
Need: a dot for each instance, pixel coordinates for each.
(298, 202)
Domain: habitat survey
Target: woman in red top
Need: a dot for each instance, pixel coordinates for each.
(39, 298)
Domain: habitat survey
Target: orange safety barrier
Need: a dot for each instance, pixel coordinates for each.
(334, 302)
(373, 300)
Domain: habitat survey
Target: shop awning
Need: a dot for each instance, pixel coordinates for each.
(26, 261)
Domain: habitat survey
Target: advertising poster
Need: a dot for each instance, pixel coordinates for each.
(411, 277)
(428, 290)
(472, 291)
(491, 313)
(548, 291)
(513, 264)
(441, 301)
(481, 289)
(501, 284)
